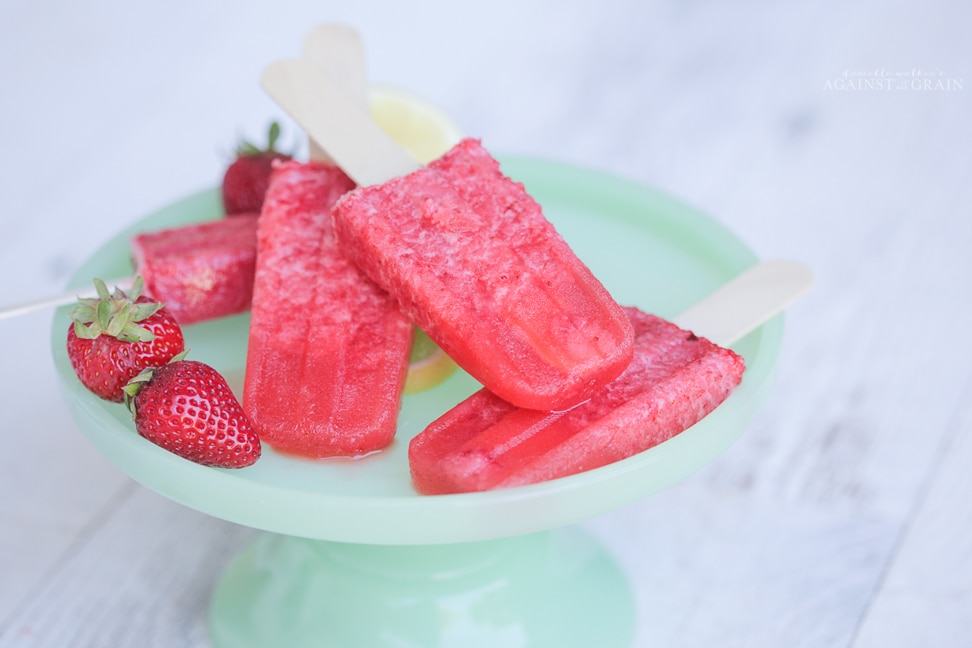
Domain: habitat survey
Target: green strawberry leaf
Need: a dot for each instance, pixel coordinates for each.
(132, 332)
(273, 135)
(144, 310)
(86, 332)
(103, 314)
(137, 287)
(119, 320)
(102, 289)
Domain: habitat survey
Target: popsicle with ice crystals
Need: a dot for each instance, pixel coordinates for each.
(467, 254)
(200, 271)
(328, 350)
(675, 379)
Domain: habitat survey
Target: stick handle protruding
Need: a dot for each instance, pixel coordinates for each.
(343, 130)
(337, 51)
(746, 302)
(66, 297)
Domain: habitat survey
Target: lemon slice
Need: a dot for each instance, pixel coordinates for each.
(422, 129)
(429, 364)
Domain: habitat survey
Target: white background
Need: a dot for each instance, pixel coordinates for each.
(841, 518)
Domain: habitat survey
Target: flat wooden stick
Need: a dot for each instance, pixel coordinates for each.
(66, 297)
(345, 131)
(337, 51)
(746, 302)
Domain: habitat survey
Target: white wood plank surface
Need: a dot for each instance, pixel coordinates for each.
(840, 519)
(926, 598)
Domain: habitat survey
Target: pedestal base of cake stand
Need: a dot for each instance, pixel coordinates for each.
(552, 588)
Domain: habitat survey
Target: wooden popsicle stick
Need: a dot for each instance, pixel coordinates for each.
(345, 131)
(337, 51)
(66, 297)
(744, 303)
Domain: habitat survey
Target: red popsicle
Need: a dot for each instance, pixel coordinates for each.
(472, 260)
(674, 380)
(328, 350)
(200, 271)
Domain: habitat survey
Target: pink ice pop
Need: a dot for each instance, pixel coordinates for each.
(199, 271)
(472, 260)
(466, 252)
(328, 350)
(674, 380)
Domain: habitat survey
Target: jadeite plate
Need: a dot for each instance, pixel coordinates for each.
(649, 250)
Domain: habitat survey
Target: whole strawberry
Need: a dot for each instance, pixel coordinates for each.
(247, 177)
(188, 408)
(115, 336)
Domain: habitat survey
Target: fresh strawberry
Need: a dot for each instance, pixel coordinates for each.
(247, 177)
(114, 336)
(188, 408)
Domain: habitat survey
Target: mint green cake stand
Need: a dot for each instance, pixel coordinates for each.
(352, 555)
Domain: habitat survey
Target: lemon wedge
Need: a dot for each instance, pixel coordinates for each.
(422, 129)
(429, 364)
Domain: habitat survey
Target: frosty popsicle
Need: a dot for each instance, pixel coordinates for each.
(675, 379)
(468, 255)
(328, 350)
(199, 271)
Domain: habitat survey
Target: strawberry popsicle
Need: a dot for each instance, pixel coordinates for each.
(199, 271)
(472, 260)
(675, 379)
(328, 350)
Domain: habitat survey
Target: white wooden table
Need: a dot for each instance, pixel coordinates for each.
(837, 134)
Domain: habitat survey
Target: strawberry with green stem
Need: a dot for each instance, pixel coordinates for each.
(187, 408)
(114, 336)
(248, 176)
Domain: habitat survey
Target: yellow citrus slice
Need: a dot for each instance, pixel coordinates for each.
(419, 127)
(429, 364)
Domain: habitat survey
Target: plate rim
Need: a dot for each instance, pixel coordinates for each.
(472, 516)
